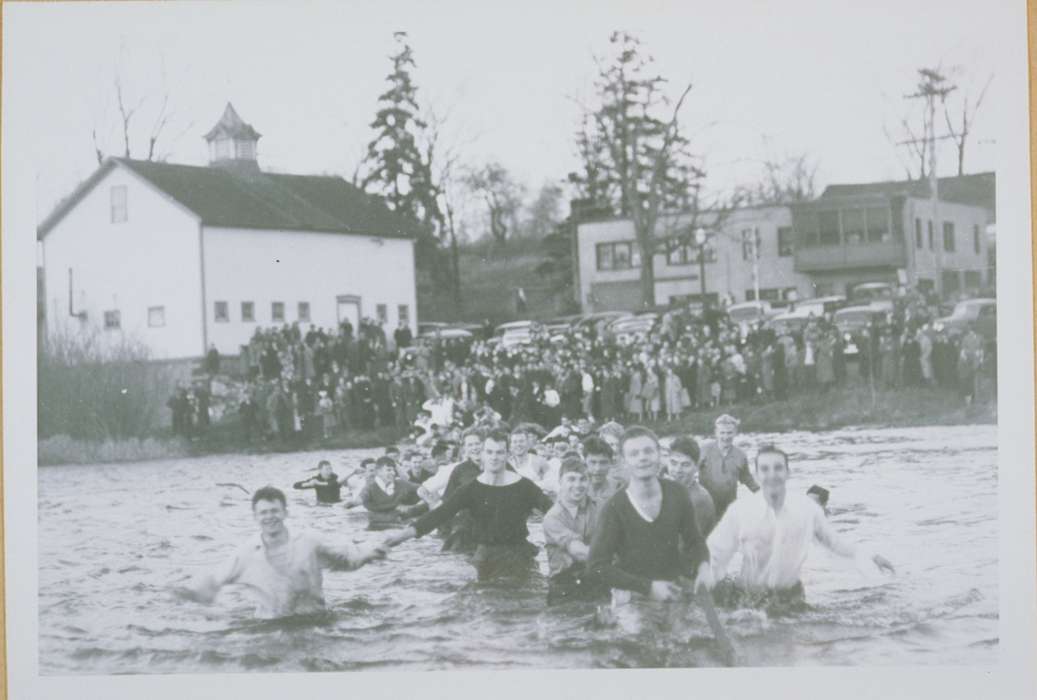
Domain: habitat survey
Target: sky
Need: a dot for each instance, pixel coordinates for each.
(769, 78)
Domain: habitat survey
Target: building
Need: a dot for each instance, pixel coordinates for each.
(608, 259)
(851, 234)
(183, 257)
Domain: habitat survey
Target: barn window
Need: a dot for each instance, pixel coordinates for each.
(304, 311)
(112, 320)
(248, 311)
(277, 311)
(118, 195)
(403, 314)
(220, 312)
(156, 316)
(383, 313)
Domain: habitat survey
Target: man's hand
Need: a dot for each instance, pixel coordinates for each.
(884, 565)
(400, 537)
(664, 590)
(379, 551)
(704, 581)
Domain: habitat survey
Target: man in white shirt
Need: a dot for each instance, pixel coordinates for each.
(283, 570)
(530, 465)
(433, 489)
(773, 530)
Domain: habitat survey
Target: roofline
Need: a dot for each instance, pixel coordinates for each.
(992, 173)
(88, 185)
(331, 231)
(677, 214)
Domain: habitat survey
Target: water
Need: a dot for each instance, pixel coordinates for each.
(112, 538)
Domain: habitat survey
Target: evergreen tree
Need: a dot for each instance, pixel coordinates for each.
(395, 166)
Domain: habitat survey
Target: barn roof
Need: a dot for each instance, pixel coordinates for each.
(237, 198)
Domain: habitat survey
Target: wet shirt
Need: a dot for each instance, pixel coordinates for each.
(286, 580)
(773, 545)
(561, 526)
(629, 552)
(720, 472)
(539, 471)
(499, 513)
(327, 491)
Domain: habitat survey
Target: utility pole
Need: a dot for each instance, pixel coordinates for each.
(932, 85)
(756, 263)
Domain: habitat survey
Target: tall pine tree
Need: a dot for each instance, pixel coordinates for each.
(395, 166)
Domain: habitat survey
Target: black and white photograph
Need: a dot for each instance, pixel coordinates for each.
(367, 348)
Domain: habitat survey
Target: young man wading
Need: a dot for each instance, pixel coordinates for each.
(647, 538)
(499, 502)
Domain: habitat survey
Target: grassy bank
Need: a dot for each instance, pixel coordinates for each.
(846, 407)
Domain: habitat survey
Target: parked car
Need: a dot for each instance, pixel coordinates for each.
(982, 312)
(791, 321)
(514, 333)
(447, 333)
(607, 316)
(751, 311)
(634, 327)
(426, 327)
(875, 294)
(852, 319)
(820, 306)
(561, 324)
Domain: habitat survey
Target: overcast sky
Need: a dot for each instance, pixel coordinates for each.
(795, 76)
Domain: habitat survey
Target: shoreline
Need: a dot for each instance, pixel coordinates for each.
(842, 407)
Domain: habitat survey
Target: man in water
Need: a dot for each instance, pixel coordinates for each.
(325, 483)
(600, 460)
(500, 502)
(529, 464)
(435, 489)
(568, 527)
(684, 469)
(647, 537)
(389, 499)
(819, 496)
(773, 529)
(283, 570)
(358, 481)
(723, 465)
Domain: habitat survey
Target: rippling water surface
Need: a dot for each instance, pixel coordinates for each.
(112, 538)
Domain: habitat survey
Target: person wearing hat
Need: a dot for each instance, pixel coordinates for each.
(568, 527)
(722, 465)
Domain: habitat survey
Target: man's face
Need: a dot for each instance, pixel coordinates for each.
(573, 486)
(772, 473)
(641, 457)
(725, 434)
(472, 447)
(269, 515)
(369, 471)
(598, 467)
(494, 456)
(683, 468)
(386, 472)
(560, 448)
(518, 443)
(325, 471)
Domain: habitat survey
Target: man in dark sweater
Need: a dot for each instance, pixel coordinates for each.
(325, 483)
(647, 536)
(499, 502)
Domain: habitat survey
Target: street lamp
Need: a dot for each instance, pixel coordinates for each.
(700, 240)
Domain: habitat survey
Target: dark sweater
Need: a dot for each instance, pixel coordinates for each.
(499, 512)
(464, 473)
(629, 552)
(327, 491)
(382, 507)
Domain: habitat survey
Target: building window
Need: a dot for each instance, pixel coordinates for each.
(828, 228)
(118, 204)
(382, 311)
(786, 241)
(853, 226)
(878, 225)
(220, 313)
(277, 311)
(248, 311)
(918, 233)
(403, 314)
(948, 236)
(976, 247)
(972, 279)
(765, 294)
(930, 230)
(617, 256)
(156, 316)
(223, 149)
(245, 150)
(678, 253)
(112, 320)
(750, 241)
(304, 312)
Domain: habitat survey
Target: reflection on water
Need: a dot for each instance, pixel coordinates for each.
(112, 538)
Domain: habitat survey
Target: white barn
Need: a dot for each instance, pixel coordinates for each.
(184, 257)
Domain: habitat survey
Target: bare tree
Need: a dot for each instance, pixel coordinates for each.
(502, 195)
(961, 123)
(782, 180)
